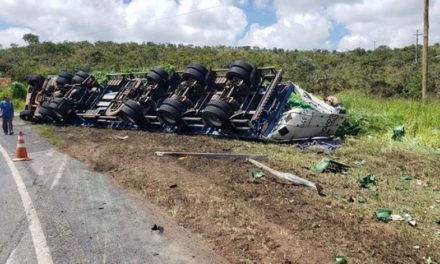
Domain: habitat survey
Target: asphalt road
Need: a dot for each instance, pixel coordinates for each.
(54, 210)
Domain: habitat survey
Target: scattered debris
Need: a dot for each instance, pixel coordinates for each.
(406, 177)
(398, 132)
(368, 181)
(327, 165)
(157, 228)
(323, 145)
(437, 222)
(233, 156)
(396, 217)
(421, 182)
(172, 186)
(360, 162)
(429, 260)
(288, 176)
(122, 137)
(404, 217)
(339, 260)
(431, 188)
(416, 247)
(256, 175)
(383, 214)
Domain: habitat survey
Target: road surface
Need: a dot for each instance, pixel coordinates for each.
(54, 210)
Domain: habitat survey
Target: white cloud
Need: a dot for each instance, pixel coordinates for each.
(305, 24)
(301, 31)
(12, 35)
(384, 22)
(261, 4)
(186, 21)
(300, 24)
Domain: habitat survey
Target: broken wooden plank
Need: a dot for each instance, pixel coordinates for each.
(288, 176)
(234, 156)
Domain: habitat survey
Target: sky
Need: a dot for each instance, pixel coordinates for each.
(287, 24)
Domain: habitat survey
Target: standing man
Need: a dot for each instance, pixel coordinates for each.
(7, 109)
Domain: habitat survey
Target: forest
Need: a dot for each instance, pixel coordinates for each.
(384, 71)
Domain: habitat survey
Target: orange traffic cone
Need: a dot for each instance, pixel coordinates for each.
(20, 152)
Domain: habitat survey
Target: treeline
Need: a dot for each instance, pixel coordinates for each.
(384, 71)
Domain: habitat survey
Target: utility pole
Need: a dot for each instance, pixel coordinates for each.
(425, 48)
(374, 45)
(417, 45)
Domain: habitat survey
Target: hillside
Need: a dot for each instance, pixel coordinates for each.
(384, 71)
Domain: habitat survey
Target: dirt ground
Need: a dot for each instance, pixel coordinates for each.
(266, 222)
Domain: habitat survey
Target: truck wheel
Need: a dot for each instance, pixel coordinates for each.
(138, 110)
(77, 79)
(131, 116)
(195, 71)
(170, 112)
(82, 74)
(216, 114)
(241, 70)
(26, 115)
(65, 107)
(47, 113)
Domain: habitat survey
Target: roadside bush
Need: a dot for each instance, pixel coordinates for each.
(18, 90)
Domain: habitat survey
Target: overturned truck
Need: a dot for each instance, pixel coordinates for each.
(242, 101)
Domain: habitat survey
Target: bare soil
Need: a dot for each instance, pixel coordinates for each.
(266, 222)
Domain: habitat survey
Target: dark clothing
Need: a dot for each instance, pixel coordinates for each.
(7, 110)
(7, 126)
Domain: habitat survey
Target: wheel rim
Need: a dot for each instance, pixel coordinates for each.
(168, 118)
(213, 120)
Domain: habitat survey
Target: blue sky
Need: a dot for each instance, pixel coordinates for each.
(288, 24)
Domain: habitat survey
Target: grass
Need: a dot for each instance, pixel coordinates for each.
(417, 155)
(48, 132)
(378, 116)
(214, 198)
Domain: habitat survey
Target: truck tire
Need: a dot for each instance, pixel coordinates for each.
(244, 65)
(78, 79)
(47, 113)
(35, 80)
(159, 76)
(170, 112)
(131, 116)
(216, 114)
(241, 70)
(82, 74)
(64, 78)
(26, 115)
(195, 71)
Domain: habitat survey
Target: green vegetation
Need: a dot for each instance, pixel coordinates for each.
(377, 116)
(362, 79)
(17, 91)
(48, 132)
(384, 71)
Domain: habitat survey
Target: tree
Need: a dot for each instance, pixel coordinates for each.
(31, 39)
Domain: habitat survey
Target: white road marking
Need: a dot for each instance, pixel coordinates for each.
(39, 240)
(59, 173)
(11, 259)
